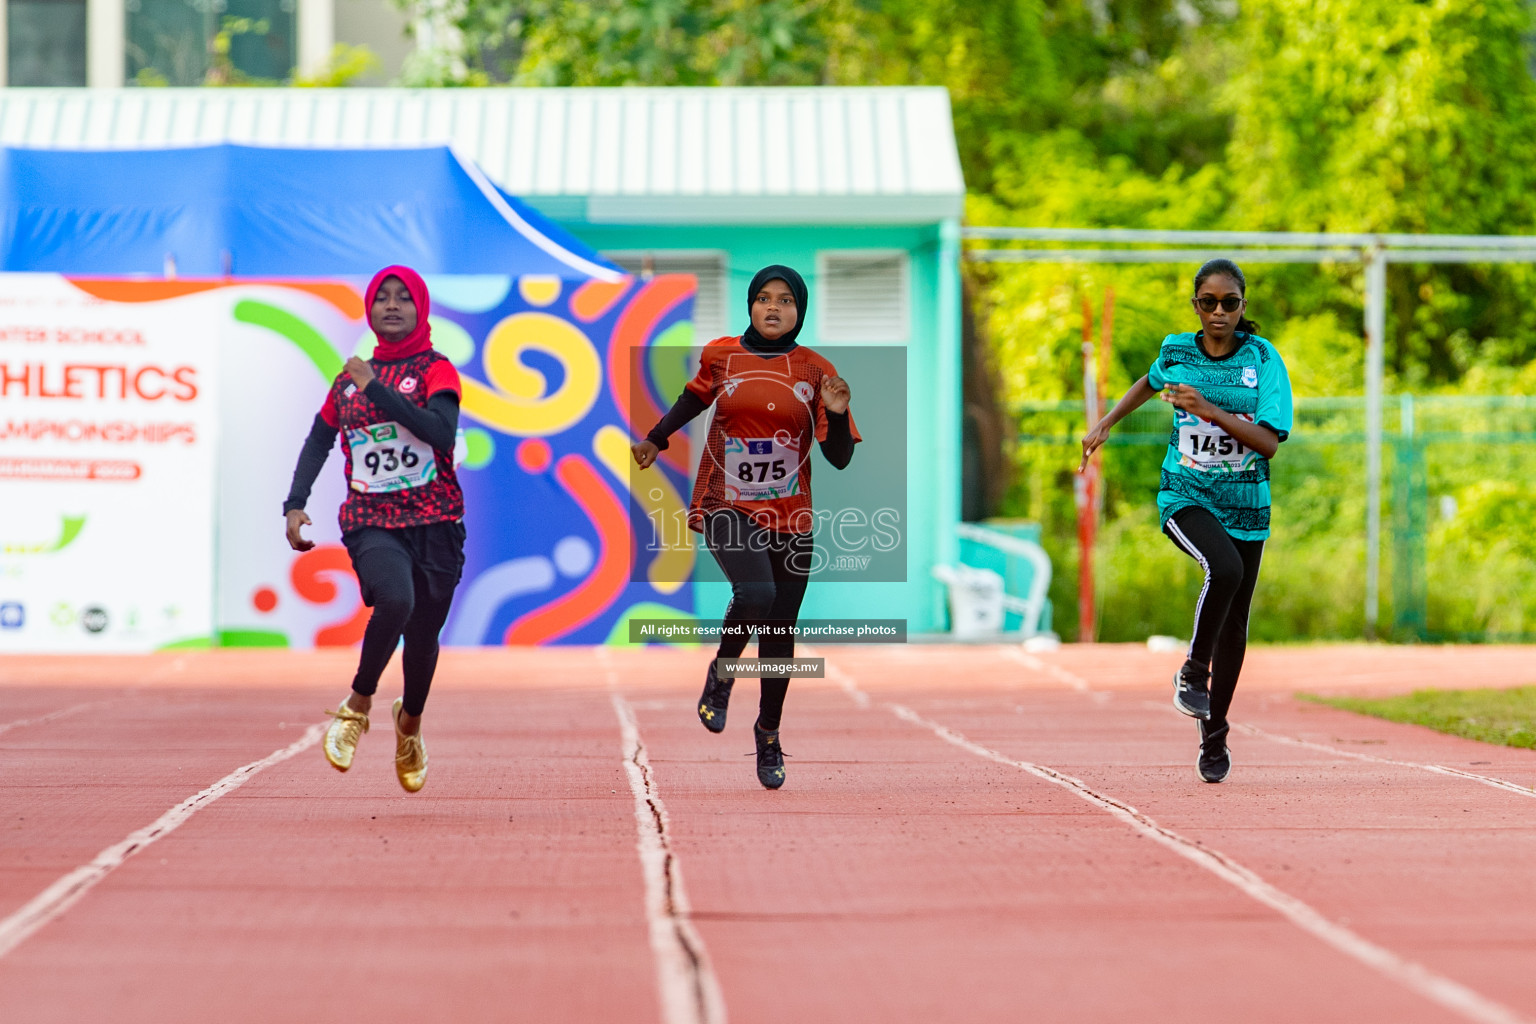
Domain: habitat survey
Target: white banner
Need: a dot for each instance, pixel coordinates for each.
(108, 418)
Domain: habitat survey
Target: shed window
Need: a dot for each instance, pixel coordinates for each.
(863, 296)
(46, 42)
(210, 42)
(710, 317)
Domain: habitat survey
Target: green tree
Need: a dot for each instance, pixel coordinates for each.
(1358, 115)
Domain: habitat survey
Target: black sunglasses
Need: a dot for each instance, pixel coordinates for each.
(1210, 302)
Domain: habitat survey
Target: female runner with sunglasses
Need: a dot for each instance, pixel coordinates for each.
(752, 500)
(1232, 408)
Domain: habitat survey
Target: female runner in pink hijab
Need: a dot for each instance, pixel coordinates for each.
(403, 519)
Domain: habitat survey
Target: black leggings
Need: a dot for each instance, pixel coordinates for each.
(1221, 616)
(768, 573)
(407, 601)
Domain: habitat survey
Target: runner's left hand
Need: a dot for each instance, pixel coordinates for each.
(834, 394)
(1190, 400)
(361, 372)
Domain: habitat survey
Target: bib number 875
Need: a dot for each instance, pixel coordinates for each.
(387, 461)
(765, 471)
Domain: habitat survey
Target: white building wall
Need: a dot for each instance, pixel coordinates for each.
(377, 24)
(317, 34)
(106, 27)
(380, 26)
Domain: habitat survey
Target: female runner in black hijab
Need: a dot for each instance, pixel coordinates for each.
(752, 499)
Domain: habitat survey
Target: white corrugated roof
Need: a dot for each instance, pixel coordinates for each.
(628, 155)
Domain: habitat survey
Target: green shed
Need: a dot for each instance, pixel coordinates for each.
(858, 188)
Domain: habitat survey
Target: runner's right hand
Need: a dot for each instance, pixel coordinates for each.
(297, 519)
(645, 453)
(1092, 442)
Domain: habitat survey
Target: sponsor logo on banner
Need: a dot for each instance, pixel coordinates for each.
(94, 619)
(803, 390)
(13, 615)
(1250, 376)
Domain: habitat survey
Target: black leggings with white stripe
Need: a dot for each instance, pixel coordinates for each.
(1221, 616)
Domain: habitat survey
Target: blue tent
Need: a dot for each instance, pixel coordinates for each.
(251, 211)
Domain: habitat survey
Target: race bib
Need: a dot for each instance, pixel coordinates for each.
(387, 457)
(760, 469)
(1208, 448)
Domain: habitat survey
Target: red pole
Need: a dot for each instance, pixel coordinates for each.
(1106, 343)
(1086, 492)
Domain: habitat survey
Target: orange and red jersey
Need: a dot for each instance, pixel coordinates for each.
(757, 455)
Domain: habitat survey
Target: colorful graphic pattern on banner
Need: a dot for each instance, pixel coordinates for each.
(547, 394)
(546, 369)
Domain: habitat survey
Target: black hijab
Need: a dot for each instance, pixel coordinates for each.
(776, 272)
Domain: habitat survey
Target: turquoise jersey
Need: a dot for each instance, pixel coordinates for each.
(1205, 466)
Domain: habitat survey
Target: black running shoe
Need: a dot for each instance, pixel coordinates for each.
(713, 701)
(1215, 760)
(770, 758)
(1192, 700)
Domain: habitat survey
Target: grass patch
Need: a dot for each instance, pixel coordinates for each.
(1505, 717)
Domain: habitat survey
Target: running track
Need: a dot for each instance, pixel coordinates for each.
(968, 834)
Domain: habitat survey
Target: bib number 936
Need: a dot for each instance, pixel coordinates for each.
(388, 457)
(385, 460)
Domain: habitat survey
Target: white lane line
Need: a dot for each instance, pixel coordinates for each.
(1438, 769)
(1417, 978)
(52, 716)
(67, 891)
(843, 679)
(689, 992)
(1081, 685)
(1056, 672)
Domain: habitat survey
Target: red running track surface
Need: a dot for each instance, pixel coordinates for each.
(899, 876)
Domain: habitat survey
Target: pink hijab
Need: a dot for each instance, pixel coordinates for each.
(420, 339)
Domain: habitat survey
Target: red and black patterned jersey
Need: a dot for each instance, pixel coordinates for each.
(757, 455)
(400, 480)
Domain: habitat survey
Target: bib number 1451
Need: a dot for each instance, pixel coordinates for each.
(388, 457)
(1207, 447)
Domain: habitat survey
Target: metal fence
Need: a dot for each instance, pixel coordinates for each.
(1459, 502)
